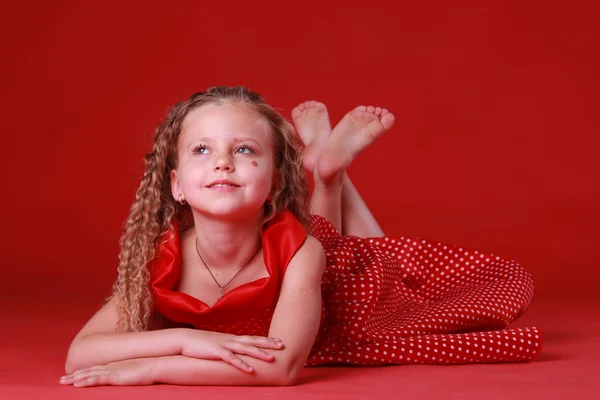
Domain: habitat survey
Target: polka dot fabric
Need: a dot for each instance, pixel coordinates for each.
(413, 301)
(385, 300)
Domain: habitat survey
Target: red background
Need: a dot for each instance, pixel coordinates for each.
(495, 146)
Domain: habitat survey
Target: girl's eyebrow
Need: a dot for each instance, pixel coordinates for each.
(247, 139)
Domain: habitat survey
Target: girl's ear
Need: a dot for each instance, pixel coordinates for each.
(176, 187)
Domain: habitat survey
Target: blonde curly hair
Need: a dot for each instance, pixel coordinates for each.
(152, 214)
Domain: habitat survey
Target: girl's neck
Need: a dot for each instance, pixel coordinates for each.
(227, 244)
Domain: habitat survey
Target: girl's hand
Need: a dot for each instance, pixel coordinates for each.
(221, 346)
(121, 373)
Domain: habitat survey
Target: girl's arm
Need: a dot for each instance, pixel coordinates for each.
(103, 348)
(97, 344)
(295, 321)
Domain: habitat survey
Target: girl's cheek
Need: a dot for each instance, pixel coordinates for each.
(254, 164)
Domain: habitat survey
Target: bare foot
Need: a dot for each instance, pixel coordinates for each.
(312, 123)
(357, 130)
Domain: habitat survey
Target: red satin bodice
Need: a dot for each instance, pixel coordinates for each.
(249, 305)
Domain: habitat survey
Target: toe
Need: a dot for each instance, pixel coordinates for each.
(387, 120)
(317, 104)
(296, 112)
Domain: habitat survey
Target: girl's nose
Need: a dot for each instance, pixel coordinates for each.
(223, 163)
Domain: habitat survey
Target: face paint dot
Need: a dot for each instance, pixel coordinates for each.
(254, 163)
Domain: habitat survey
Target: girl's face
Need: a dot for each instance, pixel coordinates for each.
(225, 161)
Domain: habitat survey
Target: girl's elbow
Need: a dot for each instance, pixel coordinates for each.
(290, 375)
(289, 379)
(73, 361)
(282, 379)
(70, 364)
(69, 369)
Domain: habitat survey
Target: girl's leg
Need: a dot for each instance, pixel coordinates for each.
(326, 200)
(340, 203)
(357, 219)
(327, 156)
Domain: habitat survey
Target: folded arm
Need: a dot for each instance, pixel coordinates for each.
(103, 348)
(295, 321)
(98, 344)
(139, 358)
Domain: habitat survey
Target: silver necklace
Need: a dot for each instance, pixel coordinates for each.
(231, 280)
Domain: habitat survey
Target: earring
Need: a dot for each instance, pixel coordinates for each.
(181, 200)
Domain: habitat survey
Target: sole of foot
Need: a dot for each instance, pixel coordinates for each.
(312, 124)
(355, 132)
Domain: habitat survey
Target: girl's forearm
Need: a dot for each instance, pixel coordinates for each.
(104, 348)
(182, 370)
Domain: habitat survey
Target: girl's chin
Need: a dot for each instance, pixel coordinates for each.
(243, 212)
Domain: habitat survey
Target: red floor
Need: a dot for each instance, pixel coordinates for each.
(35, 338)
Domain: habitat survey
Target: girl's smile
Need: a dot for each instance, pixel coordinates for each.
(223, 185)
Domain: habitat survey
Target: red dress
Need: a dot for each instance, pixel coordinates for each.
(385, 300)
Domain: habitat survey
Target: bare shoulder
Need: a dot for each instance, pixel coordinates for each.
(313, 247)
(309, 261)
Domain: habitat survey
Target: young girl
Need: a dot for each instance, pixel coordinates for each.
(226, 279)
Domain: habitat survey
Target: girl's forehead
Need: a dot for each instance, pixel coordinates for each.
(225, 120)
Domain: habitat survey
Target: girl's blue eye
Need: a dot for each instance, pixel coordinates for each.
(248, 149)
(244, 149)
(199, 149)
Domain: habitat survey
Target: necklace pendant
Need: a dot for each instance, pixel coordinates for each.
(221, 295)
